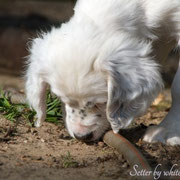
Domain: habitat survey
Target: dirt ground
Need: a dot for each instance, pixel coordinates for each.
(49, 153)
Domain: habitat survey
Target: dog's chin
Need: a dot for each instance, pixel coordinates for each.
(95, 137)
(96, 134)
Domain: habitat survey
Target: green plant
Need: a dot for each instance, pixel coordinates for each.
(14, 111)
(10, 112)
(68, 161)
(54, 109)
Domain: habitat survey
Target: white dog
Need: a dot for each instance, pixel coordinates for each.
(103, 66)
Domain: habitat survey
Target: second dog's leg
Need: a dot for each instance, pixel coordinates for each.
(168, 131)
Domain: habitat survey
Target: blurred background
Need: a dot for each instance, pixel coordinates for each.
(21, 20)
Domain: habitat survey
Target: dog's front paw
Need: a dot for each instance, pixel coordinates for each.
(37, 122)
(166, 135)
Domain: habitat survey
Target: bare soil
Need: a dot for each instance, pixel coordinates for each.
(49, 153)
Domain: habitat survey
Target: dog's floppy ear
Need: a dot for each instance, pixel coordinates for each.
(133, 83)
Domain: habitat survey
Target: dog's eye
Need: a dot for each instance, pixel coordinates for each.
(89, 104)
(99, 106)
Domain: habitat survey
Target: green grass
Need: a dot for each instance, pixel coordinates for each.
(68, 161)
(54, 109)
(13, 112)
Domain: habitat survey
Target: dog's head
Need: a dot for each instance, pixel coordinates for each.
(103, 79)
(103, 85)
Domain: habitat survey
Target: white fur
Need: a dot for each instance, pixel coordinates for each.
(102, 64)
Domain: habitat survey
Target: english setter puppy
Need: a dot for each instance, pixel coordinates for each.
(104, 65)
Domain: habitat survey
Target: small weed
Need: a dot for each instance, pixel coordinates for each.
(68, 161)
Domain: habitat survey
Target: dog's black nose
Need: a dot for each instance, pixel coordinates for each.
(86, 137)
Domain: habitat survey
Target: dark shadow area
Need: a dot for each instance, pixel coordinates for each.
(135, 133)
(31, 22)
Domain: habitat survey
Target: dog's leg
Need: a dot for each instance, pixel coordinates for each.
(36, 96)
(168, 131)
